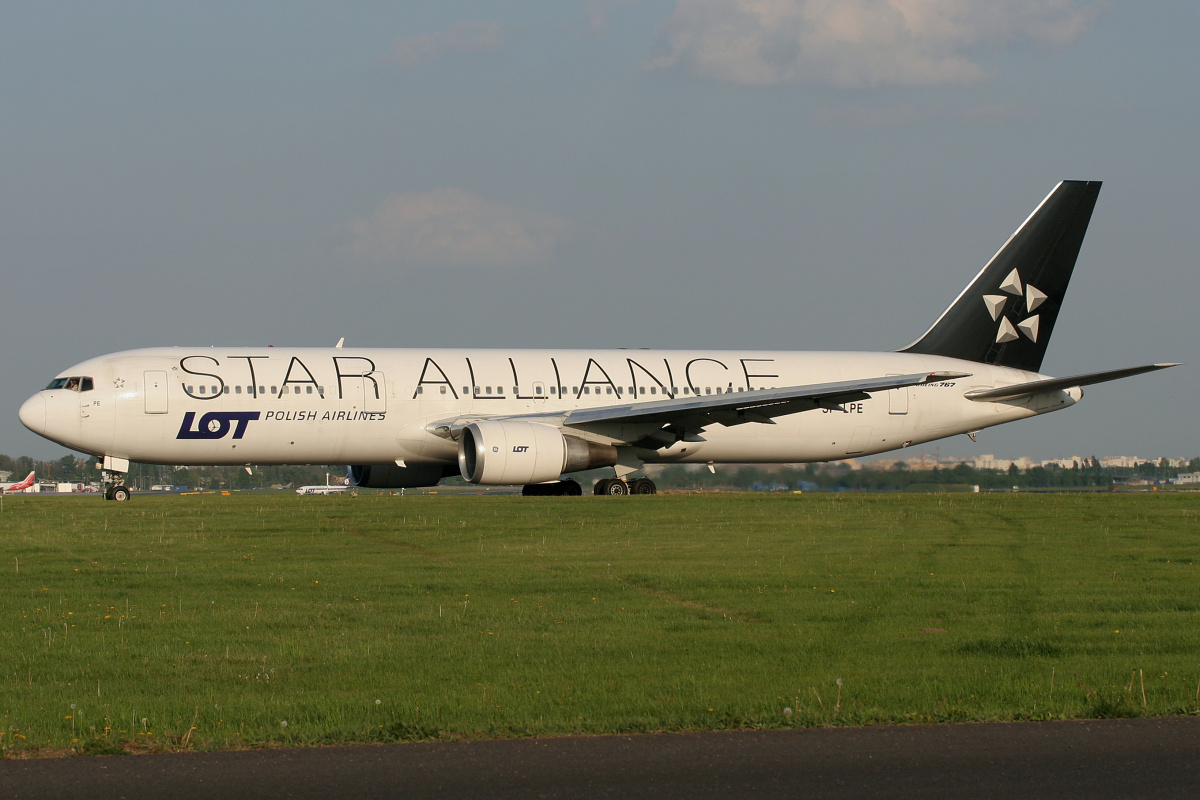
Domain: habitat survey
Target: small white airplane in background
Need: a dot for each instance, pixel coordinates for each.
(328, 488)
(17, 485)
(410, 417)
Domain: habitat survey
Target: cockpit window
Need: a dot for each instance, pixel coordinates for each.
(74, 383)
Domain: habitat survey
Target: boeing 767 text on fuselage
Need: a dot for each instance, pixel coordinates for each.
(410, 417)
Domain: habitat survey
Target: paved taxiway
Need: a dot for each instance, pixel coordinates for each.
(1150, 758)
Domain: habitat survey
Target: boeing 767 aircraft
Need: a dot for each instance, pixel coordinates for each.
(410, 417)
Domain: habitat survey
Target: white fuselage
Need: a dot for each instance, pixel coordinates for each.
(371, 406)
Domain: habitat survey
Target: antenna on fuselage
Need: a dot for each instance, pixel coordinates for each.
(341, 341)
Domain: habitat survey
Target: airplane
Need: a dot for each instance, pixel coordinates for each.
(328, 488)
(411, 417)
(17, 485)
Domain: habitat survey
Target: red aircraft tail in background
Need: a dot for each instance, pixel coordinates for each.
(16, 487)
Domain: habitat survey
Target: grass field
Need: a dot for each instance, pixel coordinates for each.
(214, 622)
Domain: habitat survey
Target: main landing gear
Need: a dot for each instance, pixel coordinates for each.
(567, 488)
(609, 486)
(616, 487)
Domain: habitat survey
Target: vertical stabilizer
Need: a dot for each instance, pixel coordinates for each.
(1006, 315)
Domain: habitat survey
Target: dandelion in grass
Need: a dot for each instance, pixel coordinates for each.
(283, 723)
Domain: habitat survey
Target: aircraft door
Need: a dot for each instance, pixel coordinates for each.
(154, 388)
(375, 392)
(898, 400)
(859, 441)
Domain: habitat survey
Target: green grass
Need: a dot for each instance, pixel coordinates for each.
(381, 618)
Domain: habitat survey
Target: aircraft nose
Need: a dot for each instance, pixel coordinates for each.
(33, 414)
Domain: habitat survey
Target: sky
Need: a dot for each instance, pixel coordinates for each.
(734, 174)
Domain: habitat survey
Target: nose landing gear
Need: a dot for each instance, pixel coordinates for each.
(118, 493)
(112, 479)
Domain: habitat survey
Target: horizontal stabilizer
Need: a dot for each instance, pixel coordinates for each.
(1057, 384)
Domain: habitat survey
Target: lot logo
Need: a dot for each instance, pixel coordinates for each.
(215, 424)
(521, 448)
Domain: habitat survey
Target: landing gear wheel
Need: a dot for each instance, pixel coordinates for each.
(643, 486)
(119, 493)
(616, 488)
(571, 488)
(108, 493)
(601, 486)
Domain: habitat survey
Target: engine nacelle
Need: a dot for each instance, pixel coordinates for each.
(513, 451)
(391, 476)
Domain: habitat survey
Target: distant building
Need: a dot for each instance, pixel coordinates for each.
(1188, 477)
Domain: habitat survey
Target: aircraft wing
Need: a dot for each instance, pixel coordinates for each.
(1055, 384)
(680, 417)
(757, 405)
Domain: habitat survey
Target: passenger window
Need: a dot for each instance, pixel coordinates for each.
(488, 389)
(708, 390)
(443, 389)
(674, 390)
(641, 390)
(237, 390)
(575, 391)
(420, 390)
(225, 390)
(202, 389)
(274, 391)
(516, 390)
(608, 390)
(308, 389)
(467, 390)
(262, 390)
(653, 390)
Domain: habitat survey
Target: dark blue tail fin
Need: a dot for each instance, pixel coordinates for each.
(1007, 314)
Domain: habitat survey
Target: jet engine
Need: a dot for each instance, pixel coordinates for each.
(391, 476)
(514, 451)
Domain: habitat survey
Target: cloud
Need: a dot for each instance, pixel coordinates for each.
(857, 43)
(454, 227)
(598, 10)
(462, 37)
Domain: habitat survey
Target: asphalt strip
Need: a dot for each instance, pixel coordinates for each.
(1150, 758)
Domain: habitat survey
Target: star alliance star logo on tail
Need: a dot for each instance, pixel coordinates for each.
(1013, 289)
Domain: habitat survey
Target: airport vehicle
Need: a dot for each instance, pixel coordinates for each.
(410, 417)
(17, 486)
